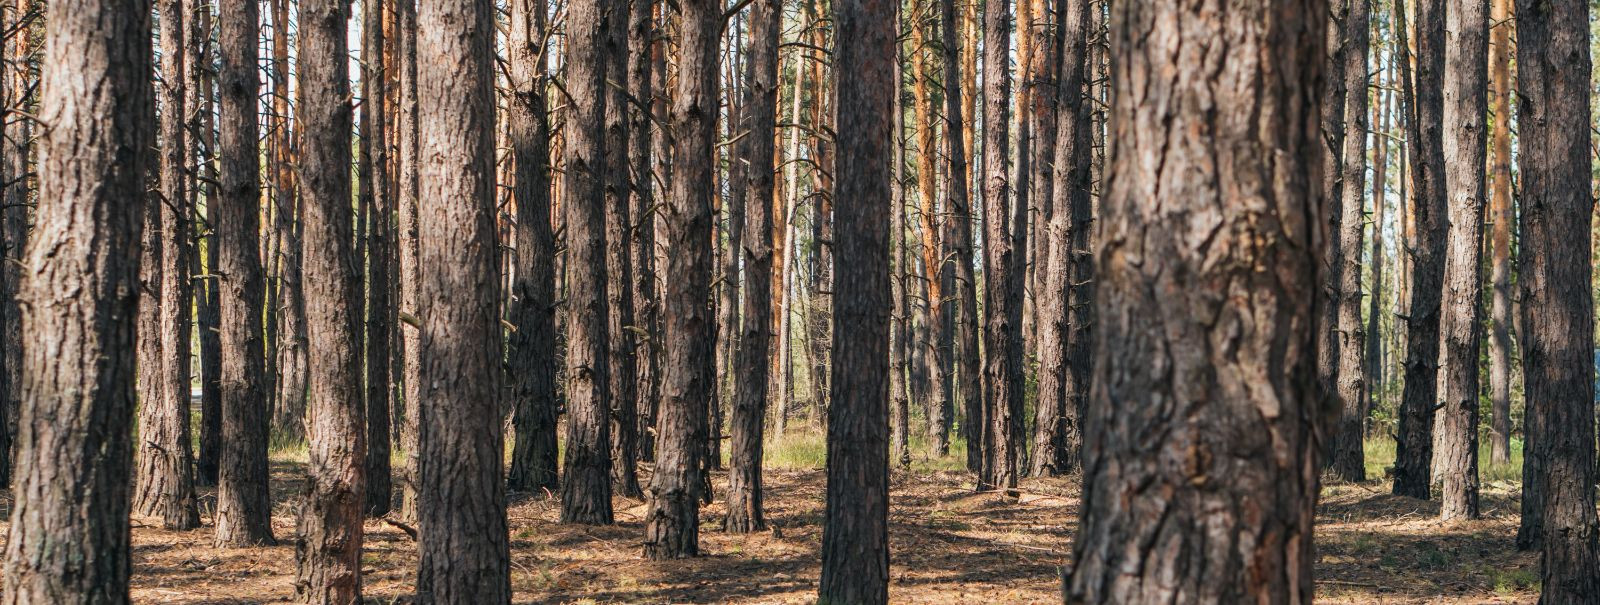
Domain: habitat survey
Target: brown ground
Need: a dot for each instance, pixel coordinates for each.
(949, 545)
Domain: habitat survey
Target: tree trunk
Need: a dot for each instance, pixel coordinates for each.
(1220, 508)
(69, 525)
(1055, 423)
(745, 513)
(618, 260)
(164, 480)
(855, 545)
(289, 415)
(1461, 326)
(1002, 266)
(461, 515)
(244, 501)
(380, 250)
(530, 362)
(642, 53)
(1425, 145)
(329, 531)
(1554, 270)
(922, 73)
(900, 270)
(1349, 460)
(410, 275)
(586, 493)
(1557, 311)
(208, 310)
(1501, 220)
(14, 221)
(958, 237)
(1375, 363)
(672, 523)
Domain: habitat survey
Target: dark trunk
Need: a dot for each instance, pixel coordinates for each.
(531, 363)
(586, 489)
(1554, 269)
(407, 307)
(244, 502)
(618, 258)
(1192, 254)
(289, 312)
(1002, 266)
(641, 206)
(1425, 146)
(963, 310)
(745, 512)
(672, 523)
(328, 531)
(380, 251)
(69, 525)
(461, 513)
(208, 311)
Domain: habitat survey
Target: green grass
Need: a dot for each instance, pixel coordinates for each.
(1380, 456)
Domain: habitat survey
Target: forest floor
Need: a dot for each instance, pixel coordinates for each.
(949, 545)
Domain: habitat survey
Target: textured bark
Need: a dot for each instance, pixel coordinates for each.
(622, 342)
(289, 413)
(1039, 113)
(1461, 325)
(1554, 270)
(855, 545)
(1055, 435)
(672, 522)
(380, 253)
(1376, 365)
(586, 493)
(958, 238)
(208, 310)
(244, 503)
(1332, 139)
(14, 152)
(531, 363)
(328, 531)
(642, 53)
(900, 317)
(410, 188)
(1424, 142)
(1349, 460)
(922, 74)
(1501, 218)
(69, 524)
(164, 477)
(1003, 269)
(1208, 276)
(461, 515)
(745, 513)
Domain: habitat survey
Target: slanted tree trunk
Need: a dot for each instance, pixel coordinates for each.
(1055, 424)
(622, 343)
(380, 249)
(1425, 145)
(328, 531)
(1501, 220)
(1349, 460)
(1554, 272)
(672, 523)
(530, 364)
(461, 512)
(244, 502)
(1002, 266)
(855, 545)
(958, 237)
(69, 525)
(586, 493)
(745, 513)
(1557, 311)
(1183, 247)
(1461, 326)
(164, 480)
